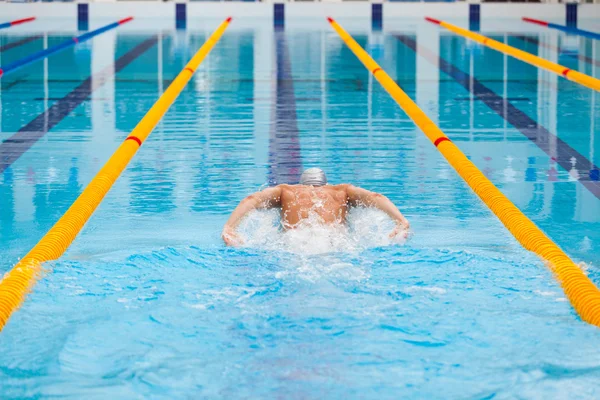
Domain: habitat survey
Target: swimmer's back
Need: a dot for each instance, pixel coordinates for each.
(329, 203)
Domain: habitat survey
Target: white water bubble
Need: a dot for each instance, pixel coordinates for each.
(365, 228)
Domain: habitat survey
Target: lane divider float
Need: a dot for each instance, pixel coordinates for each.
(570, 74)
(13, 147)
(579, 289)
(577, 56)
(16, 22)
(4, 69)
(18, 282)
(563, 28)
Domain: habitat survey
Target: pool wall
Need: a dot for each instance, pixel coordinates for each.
(169, 12)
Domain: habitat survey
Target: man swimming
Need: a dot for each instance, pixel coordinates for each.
(312, 196)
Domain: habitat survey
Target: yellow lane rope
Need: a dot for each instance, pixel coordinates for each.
(581, 291)
(16, 283)
(558, 69)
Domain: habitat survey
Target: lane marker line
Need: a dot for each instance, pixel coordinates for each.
(535, 21)
(433, 20)
(22, 21)
(39, 55)
(579, 289)
(124, 20)
(577, 56)
(504, 108)
(440, 140)
(285, 151)
(567, 29)
(16, 22)
(135, 139)
(20, 279)
(16, 145)
(18, 43)
(574, 76)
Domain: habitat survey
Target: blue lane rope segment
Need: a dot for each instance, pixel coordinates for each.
(4, 69)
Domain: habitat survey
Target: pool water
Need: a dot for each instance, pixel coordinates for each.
(149, 303)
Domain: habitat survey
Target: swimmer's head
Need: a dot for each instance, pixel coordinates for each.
(313, 177)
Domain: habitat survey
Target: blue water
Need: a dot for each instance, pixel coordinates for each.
(148, 302)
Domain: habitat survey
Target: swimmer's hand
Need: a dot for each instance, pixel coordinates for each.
(231, 237)
(401, 230)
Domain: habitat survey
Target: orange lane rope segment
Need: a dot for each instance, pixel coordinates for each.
(580, 290)
(570, 74)
(18, 282)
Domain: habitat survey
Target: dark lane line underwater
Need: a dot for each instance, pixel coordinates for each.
(48, 51)
(285, 161)
(535, 132)
(20, 42)
(16, 145)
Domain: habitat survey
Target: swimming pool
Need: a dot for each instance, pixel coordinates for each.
(147, 302)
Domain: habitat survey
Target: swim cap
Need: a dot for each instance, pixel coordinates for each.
(313, 177)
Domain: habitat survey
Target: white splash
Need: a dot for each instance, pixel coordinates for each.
(586, 244)
(428, 289)
(313, 269)
(366, 228)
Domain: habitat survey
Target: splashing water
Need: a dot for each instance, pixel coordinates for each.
(366, 228)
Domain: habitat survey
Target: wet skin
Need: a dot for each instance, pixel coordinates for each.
(329, 203)
(298, 202)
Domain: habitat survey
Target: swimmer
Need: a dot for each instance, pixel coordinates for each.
(329, 202)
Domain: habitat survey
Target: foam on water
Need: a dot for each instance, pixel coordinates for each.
(207, 322)
(149, 303)
(313, 251)
(366, 228)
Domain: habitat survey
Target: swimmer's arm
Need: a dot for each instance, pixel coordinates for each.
(268, 198)
(360, 196)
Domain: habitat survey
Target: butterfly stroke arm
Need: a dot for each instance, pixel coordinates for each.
(360, 196)
(268, 198)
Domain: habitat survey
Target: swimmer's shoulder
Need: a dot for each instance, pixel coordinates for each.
(285, 188)
(342, 187)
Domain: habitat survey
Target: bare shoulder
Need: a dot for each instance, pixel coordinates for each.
(286, 189)
(347, 188)
(270, 192)
(341, 187)
(284, 186)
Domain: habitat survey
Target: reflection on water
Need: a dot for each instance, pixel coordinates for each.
(7, 204)
(48, 195)
(325, 110)
(190, 320)
(285, 164)
(152, 189)
(329, 112)
(149, 299)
